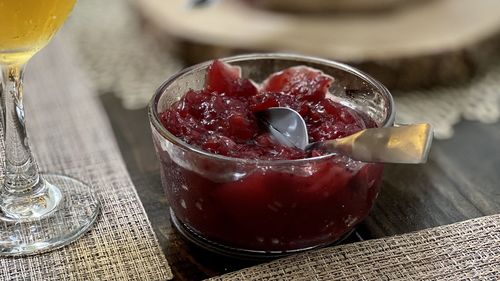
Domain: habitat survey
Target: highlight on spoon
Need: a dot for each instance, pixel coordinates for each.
(286, 125)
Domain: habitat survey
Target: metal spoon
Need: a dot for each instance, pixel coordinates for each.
(402, 144)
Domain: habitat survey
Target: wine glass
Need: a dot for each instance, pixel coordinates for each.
(38, 213)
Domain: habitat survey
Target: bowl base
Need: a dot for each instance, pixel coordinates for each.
(199, 240)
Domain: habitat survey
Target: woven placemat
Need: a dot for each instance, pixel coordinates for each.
(468, 250)
(71, 135)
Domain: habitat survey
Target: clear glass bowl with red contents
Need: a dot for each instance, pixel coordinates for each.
(262, 208)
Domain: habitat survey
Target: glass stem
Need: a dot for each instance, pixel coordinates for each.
(21, 170)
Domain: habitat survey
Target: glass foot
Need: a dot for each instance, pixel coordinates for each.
(199, 240)
(71, 218)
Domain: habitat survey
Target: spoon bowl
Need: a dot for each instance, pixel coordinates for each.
(286, 125)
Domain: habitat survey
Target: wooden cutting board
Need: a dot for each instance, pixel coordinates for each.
(419, 45)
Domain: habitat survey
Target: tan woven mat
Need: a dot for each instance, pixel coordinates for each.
(71, 135)
(468, 250)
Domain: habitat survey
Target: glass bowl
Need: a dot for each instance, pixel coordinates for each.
(257, 208)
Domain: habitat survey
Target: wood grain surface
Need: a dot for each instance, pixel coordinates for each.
(460, 181)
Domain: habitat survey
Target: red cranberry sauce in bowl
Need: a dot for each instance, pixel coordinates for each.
(231, 182)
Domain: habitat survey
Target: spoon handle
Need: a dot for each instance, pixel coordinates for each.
(408, 144)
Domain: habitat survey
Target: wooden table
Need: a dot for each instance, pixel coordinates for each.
(461, 181)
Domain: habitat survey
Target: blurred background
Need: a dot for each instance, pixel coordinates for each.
(438, 57)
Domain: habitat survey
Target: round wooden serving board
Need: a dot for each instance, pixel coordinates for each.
(422, 44)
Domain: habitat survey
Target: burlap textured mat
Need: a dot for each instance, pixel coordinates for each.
(468, 250)
(71, 135)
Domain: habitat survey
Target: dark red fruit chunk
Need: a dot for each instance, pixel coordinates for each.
(302, 82)
(240, 127)
(226, 79)
(221, 76)
(244, 87)
(263, 101)
(218, 144)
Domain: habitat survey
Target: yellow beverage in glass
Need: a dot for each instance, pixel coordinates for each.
(27, 25)
(38, 212)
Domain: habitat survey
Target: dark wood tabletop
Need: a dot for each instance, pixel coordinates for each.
(460, 181)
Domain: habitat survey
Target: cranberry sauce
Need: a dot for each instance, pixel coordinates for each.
(220, 118)
(263, 206)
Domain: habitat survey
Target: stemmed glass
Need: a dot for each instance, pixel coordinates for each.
(38, 213)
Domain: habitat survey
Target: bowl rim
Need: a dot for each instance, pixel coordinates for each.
(158, 126)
